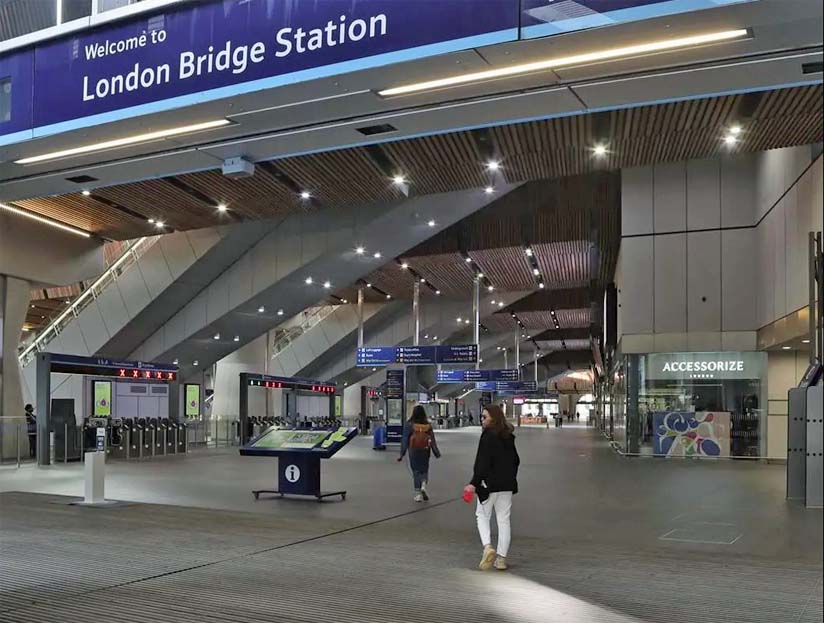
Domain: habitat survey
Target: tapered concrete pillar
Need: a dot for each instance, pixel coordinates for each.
(14, 300)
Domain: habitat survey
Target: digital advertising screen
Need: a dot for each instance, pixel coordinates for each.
(102, 392)
(192, 395)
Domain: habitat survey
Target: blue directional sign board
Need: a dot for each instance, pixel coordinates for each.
(377, 356)
(417, 355)
(394, 384)
(507, 386)
(476, 376)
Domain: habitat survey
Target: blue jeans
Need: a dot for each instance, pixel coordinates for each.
(419, 464)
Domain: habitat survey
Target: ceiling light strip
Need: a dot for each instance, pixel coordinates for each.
(125, 141)
(650, 47)
(45, 221)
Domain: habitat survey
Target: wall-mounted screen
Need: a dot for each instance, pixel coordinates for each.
(102, 392)
(192, 394)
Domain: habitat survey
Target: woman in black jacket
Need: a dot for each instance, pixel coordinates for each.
(495, 481)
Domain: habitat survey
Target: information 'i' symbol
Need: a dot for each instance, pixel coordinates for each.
(292, 473)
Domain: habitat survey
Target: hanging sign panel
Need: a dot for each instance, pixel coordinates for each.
(476, 376)
(417, 355)
(395, 382)
(208, 50)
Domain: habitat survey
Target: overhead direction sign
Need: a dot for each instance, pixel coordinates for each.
(416, 355)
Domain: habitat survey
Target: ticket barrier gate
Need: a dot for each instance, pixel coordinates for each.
(118, 439)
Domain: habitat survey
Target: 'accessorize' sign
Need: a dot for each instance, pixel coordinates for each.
(721, 365)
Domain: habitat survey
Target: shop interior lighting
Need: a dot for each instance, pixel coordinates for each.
(221, 207)
(608, 54)
(45, 221)
(280, 312)
(125, 141)
(308, 281)
(360, 250)
(261, 309)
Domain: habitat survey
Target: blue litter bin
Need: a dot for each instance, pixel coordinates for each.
(379, 438)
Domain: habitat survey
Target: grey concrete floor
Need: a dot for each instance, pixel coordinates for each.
(596, 538)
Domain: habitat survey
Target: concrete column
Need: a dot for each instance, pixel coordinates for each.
(360, 316)
(416, 313)
(476, 318)
(14, 300)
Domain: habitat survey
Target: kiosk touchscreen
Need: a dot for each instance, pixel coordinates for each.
(299, 453)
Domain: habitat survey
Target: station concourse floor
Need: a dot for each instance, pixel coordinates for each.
(596, 538)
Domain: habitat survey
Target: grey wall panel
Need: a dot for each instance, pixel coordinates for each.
(670, 197)
(153, 347)
(156, 273)
(264, 264)
(289, 361)
(738, 191)
(766, 274)
(94, 331)
(112, 309)
(178, 252)
(670, 284)
(777, 218)
(704, 341)
(174, 331)
(287, 241)
(313, 234)
(133, 291)
(704, 281)
(317, 341)
(195, 313)
(240, 281)
(217, 300)
(739, 287)
(636, 201)
(72, 340)
(635, 294)
(703, 194)
(202, 240)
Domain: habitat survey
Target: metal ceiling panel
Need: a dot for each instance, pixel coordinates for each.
(505, 268)
(563, 264)
(574, 318)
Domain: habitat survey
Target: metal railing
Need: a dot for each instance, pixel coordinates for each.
(121, 265)
(14, 428)
(311, 318)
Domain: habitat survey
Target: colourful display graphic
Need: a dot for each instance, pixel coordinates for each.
(688, 433)
(294, 439)
(102, 398)
(192, 400)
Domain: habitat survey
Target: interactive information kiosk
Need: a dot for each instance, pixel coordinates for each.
(299, 453)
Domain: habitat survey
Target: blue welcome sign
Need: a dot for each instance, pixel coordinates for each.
(209, 50)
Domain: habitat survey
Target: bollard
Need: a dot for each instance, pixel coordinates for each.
(165, 435)
(128, 443)
(94, 477)
(17, 438)
(65, 443)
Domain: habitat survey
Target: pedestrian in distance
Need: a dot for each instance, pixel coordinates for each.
(31, 429)
(494, 482)
(419, 442)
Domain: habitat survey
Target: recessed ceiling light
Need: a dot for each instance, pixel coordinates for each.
(280, 312)
(221, 207)
(398, 180)
(217, 336)
(423, 280)
(151, 221)
(566, 61)
(500, 303)
(467, 260)
(261, 309)
(86, 193)
(541, 285)
(368, 285)
(459, 319)
(599, 150)
(536, 272)
(426, 337)
(528, 252)
(389, 296)
(160, 224)
(45, 221)
(377, 255)
(123, 142)
(195, 362)
(308, 281)
(805, 341)
(431, 223)
(236, 338)
(735, 130)
(434, 337)
(466, 321)
(729, 139)
(437, 292)
(327, 284)
(489, 190)
(493, 302)
(480, 275)
(404, 265)
(175, 361)
(360, 250)
(305, 195)
(490, 288)
(493, 165)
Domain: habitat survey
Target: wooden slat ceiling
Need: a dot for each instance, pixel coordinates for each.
(546, 149)
(572, 344)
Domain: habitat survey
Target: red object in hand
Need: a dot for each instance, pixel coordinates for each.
(468, 494)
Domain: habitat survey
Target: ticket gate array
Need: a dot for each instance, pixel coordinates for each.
(138, 438)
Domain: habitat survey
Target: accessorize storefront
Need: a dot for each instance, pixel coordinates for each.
(709, 404)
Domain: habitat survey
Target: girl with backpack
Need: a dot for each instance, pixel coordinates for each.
(419, 440)
(494, 481)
